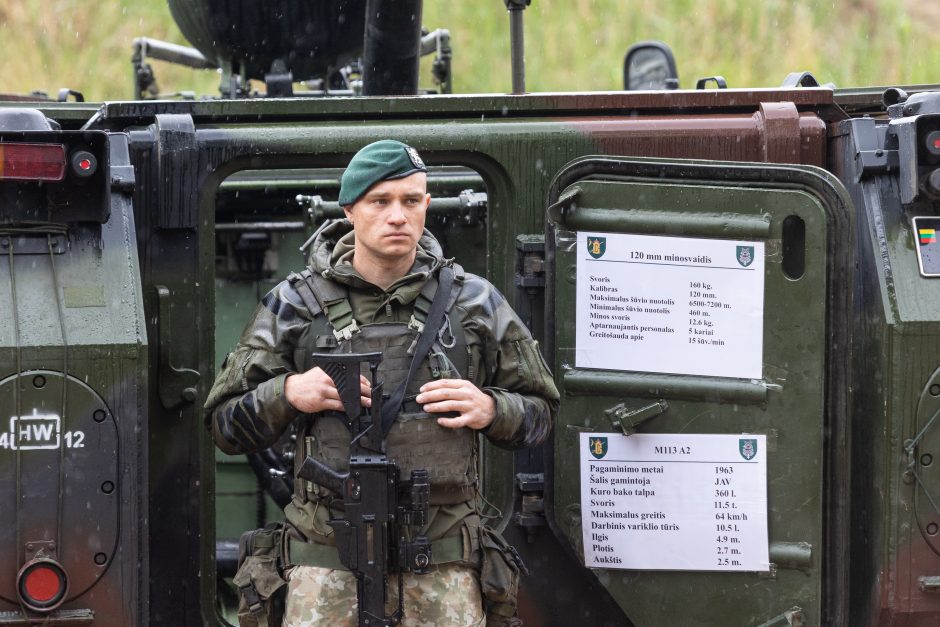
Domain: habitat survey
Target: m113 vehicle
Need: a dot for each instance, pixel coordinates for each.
(738, 292)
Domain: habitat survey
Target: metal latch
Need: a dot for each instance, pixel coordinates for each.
(176, 385)
(929, 584)
(530, 261)
(628, 420)
(797, 555)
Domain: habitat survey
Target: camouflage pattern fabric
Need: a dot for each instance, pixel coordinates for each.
(446, 597)
(246, 410)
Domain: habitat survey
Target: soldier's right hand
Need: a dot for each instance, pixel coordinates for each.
(314, 391)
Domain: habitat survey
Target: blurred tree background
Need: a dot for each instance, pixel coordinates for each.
(571, 45)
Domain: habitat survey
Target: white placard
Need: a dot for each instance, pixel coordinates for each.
(677, 305)
(674, 502)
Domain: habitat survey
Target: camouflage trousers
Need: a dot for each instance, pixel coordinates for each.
(449, 596)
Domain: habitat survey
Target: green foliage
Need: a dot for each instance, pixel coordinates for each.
(86, 46)
(571, 45)
(579, 44)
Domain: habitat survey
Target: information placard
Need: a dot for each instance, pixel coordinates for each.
(674, 501)
(670, 304)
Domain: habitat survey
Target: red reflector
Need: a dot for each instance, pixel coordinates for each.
(85, 164)
(42, 584)
(936, 143)
(32, 162)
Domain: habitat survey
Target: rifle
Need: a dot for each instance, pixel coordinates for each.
(375, 537)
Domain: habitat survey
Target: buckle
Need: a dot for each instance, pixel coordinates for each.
(252, 599)
(415, 325)
(346, 332)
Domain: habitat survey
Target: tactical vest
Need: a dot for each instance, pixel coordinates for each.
(415, 440)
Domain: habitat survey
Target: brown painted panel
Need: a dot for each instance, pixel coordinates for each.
(776, 132)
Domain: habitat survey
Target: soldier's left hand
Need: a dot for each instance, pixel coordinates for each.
(477, 409)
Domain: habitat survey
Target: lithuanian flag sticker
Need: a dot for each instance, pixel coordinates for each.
(925, 230)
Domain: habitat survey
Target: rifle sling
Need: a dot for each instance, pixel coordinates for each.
(445, 281)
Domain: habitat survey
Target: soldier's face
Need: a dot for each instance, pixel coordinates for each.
(389, 219)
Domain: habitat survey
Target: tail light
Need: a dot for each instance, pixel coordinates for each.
(32, 162)
(42, 584)
(65, 173)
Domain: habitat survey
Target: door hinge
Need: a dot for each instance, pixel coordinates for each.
(532, 513)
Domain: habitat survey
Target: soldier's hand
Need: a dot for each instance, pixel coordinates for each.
(314, 391)
(477, 409)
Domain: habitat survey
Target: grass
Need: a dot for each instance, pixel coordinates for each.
(571, 45)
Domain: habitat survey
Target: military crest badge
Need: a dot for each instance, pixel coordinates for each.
(596, 246)
(745, 255)
(747, 448)
(598, 447)
(415, 157)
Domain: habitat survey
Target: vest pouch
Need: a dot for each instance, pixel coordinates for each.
(417, 441)
(330, 440)
(262, 590)
(500, 571)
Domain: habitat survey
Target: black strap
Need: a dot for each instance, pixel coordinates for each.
(445, 281)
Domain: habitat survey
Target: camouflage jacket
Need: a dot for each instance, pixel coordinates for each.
(246, 410)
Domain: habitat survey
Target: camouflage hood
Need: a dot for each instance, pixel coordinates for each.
(332, 251)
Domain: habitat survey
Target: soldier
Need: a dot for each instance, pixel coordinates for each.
(371, 277)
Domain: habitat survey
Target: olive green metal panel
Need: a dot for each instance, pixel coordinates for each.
(73, 371)
(788, 404)
(240, 504)
(236, 299)
(898, 442)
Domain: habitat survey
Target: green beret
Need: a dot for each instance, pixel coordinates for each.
(379, 161)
